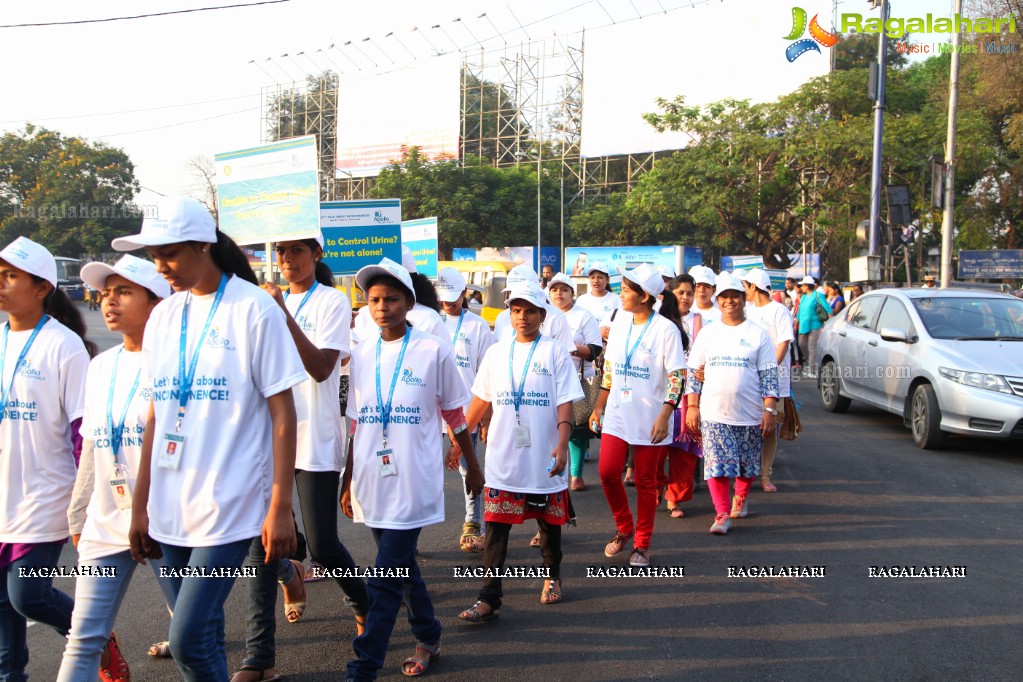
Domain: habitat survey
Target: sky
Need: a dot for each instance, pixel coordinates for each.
(169, 88)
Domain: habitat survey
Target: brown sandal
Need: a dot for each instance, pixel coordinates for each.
(551, 594)
(414, 665)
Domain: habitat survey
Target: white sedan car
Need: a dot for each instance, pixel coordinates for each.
(949, 361)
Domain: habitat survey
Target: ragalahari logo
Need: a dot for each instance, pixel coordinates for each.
(817, 35)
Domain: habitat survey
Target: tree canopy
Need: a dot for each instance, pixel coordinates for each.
(68, 194)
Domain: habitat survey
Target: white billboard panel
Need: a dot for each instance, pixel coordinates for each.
(708, 52)
(414, 105)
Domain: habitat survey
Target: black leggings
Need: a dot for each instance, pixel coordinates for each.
(496, 551)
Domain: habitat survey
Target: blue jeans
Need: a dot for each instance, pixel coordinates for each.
(197, 626)
(97, 601)
(473, 508)
(261, 625)
(395, 549)
(23, 598)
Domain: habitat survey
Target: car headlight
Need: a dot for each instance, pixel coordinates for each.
(990, 382)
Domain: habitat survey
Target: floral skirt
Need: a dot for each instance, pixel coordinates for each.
(500, 506)
(731, 451)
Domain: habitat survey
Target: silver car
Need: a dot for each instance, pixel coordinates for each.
(946, 360)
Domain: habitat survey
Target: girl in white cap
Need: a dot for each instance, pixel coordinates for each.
(598, 300)
(403, 382)
(472, 338)
(642, 385)
(734, 405)
(43, 363)
(117, 398)
(530, 384)
(588, 345)
(319, 322)
(705, 304)
(218, 455)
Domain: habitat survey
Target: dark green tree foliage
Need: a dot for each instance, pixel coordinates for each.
(68, 194)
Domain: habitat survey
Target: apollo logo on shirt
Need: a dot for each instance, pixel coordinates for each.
(744, 343)
(215, 340)
(305, 324)
(539, 369)
(463, 339)
(146, 394)
(409, 378)
(29, 372)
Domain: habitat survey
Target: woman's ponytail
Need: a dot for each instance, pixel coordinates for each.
(58, 306)
(231, 259)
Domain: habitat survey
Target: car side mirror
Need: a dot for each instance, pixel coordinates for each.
(894, 334)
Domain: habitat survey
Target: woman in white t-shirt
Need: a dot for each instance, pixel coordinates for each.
(43, 364)
(471, 337)
(641, 387)
(776, 320)
(598, 300)
(704, 303)
(218, 455)
(319, 322)
(588, 344)
(402, 383)
(733, 406)
(116, 406)
(530, 383)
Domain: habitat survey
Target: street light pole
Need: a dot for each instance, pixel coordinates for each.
(879, 106)
(947, 223)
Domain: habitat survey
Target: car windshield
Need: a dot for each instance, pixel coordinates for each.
(971, 318)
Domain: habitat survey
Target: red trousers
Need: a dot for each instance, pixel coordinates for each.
(680, 478)
(613, 452)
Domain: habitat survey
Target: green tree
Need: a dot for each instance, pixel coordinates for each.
(70, 195)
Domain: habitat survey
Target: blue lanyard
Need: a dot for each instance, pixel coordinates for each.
(458, 327)
(304, 298)
(518, 395)
(117, 429)
(185, 380)
(630, 353)
(385, 410)
(21, 358)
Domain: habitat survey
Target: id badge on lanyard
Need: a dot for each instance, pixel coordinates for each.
(120, 488)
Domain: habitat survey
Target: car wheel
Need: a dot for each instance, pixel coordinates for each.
(925, 419)
(831, 400)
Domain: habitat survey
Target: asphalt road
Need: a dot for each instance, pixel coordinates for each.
(853, 493)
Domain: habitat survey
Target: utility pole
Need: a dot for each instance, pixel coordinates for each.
(947, 224)
(879, 107)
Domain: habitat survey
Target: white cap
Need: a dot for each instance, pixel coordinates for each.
(520, 274)
(178, 219)
(385, 267)
(702, 275)
(758, 278)
(25, 254)
(726, 282)
(599, 266)
(666, 272)
(808, 280)
(646, 277)
(450, 285)
(740, 274)
(132, 268)
(561, 278)
(408, 261)
(527, 292)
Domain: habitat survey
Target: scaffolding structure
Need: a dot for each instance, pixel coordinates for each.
(521, 104)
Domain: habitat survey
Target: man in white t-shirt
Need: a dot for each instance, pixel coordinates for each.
(777, 322)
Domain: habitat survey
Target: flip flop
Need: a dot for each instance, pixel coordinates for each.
(414, 666)
(160, 650)
(253, 669)
(472, 614)
(550, 594)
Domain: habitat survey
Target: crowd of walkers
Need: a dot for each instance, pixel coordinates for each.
(181, 446)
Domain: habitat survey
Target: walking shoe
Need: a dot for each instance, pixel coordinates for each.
(113, 667)
(767, 486)
(639, 558)
(740, 507)
(721, 524)
(616, 545)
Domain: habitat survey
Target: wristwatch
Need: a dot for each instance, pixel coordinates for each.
(771, 410)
